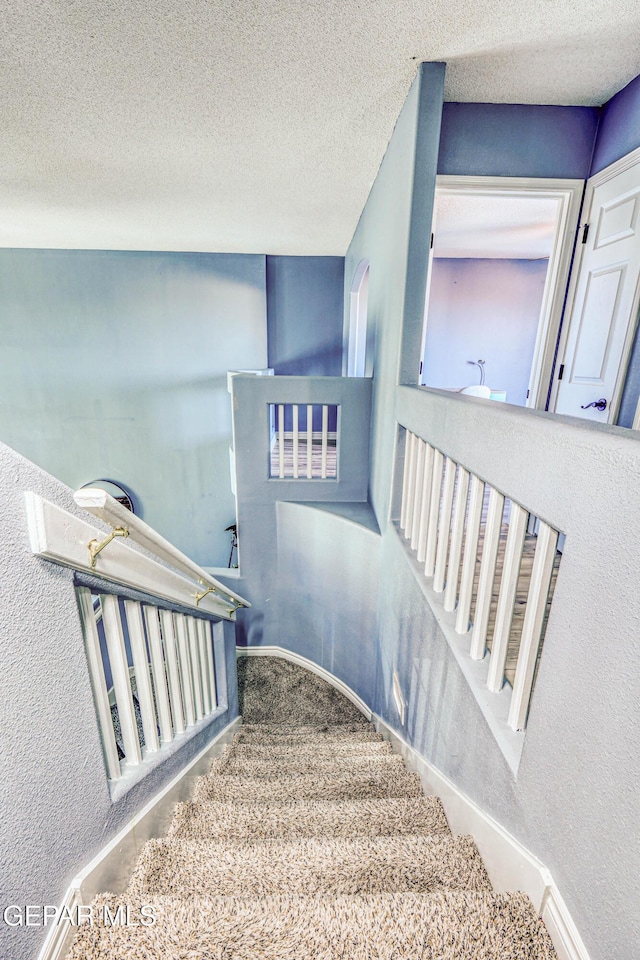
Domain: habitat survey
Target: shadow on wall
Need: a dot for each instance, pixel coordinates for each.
(314, 364)
(304, 315)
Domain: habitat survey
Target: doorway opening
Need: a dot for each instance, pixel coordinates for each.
(500, 257)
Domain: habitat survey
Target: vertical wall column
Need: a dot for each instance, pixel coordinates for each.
(425, 166)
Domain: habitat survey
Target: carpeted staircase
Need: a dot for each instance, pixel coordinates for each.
(309, 840)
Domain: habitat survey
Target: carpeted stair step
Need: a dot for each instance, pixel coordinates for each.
(318, 733)
(318, 786)
(273, 690)
(312, 866)
(339, 748)
(249, 822)
(438, 926)
(268, 769)
(350, 861)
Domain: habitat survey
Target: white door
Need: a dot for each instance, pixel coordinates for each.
(605, 301)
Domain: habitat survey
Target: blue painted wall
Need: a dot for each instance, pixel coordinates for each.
(619, 131)
(517, 140)
(486, 309)
(304, 315)
(114, 364)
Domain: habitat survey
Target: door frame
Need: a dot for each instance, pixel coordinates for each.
(357, 332)
(597, 180)
(569, 194)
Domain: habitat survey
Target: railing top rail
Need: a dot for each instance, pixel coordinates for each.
(574, 474)
(101, 504)
(301, 390)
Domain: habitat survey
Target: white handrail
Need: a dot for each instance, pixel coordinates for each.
(62, 537)
(99, 503)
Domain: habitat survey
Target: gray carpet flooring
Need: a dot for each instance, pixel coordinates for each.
(309, 840)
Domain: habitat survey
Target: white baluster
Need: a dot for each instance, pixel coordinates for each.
(211, 670)
(204, 667)
(474, 518)
(281, 440)
(196, 672)
(220, 664)
(417, 494)
(159, 676)
(492, 530)
(185, 668)
(121, 681)
(457, 536)
(445, 525)
(295, 441)
(325, 436)
(507, 597)
(532, 626)
(98, 682)
(425, 503)
(406, 517)
(309, 441)
(173, 669)
(133, 611)
(434, 513)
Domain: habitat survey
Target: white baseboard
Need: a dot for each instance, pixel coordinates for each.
(562, 929)
(112, 867)
(274, 651)
(509, 864)
(59, 939)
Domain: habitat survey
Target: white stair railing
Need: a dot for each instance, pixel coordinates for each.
(302, 452)
(473, 543)
(156, 664)
(153, 688)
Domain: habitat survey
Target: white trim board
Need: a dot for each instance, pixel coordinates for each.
(284, 654)
(618, 166)
(111, 868)
(509, 864)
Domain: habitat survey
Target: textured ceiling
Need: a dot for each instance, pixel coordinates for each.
(256, 126)
(494, 227)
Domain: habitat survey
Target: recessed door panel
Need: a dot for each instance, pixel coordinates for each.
(605, 302)
(593, 343)
(617, 221)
